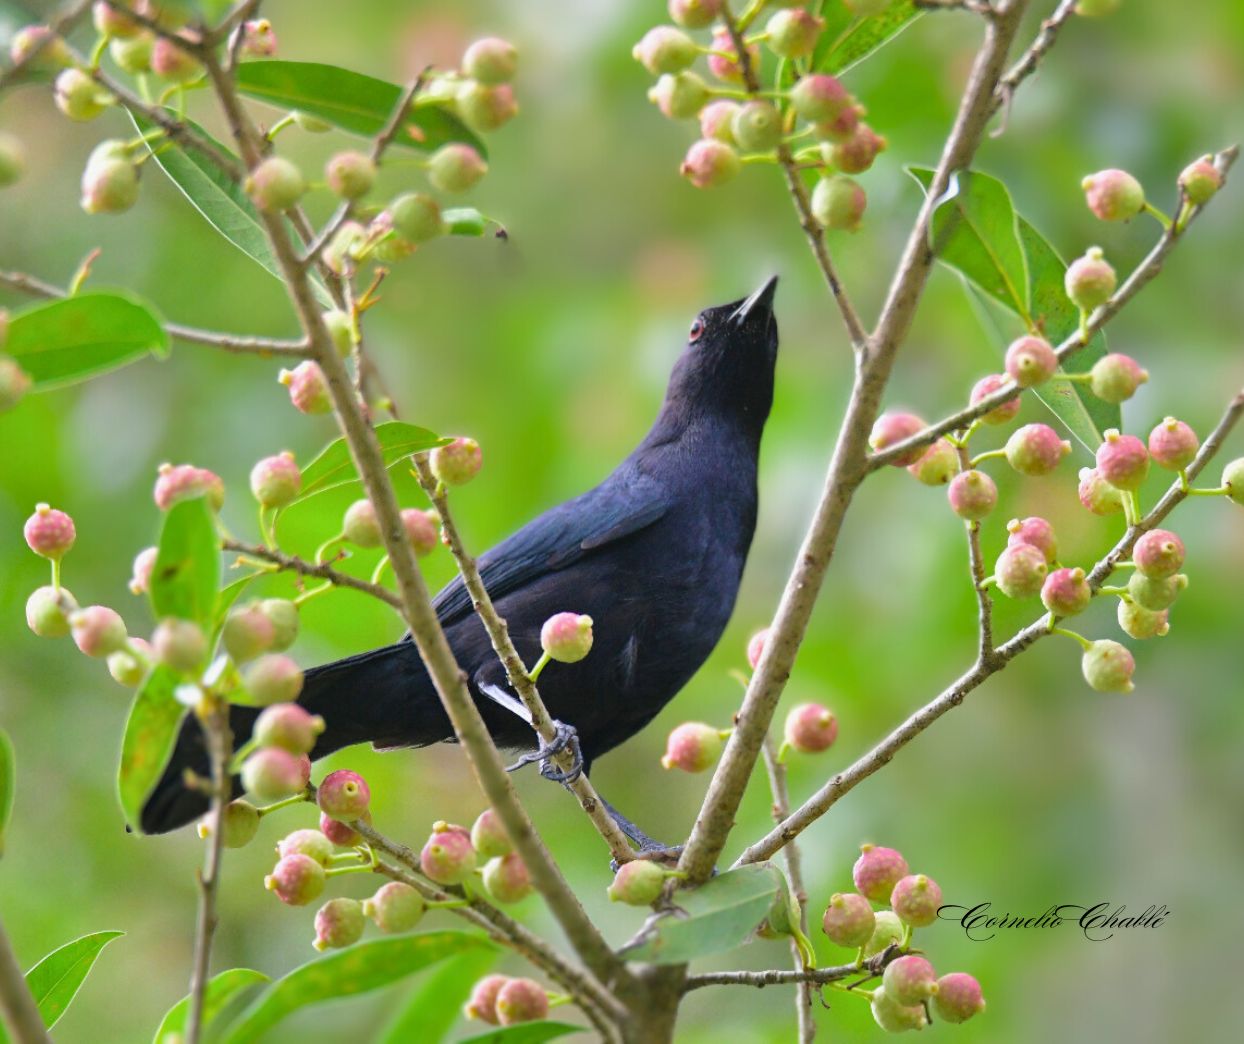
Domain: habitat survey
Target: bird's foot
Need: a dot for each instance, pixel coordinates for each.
(565, 738)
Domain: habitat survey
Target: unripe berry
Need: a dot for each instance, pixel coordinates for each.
(342, 834)
(1035, 531)
(416, 217)
(175, 483)
(179, 644)
(888, 930)
(757, 126)
(239, 824)
(288, 726)
(972, 495)
(1107, 666)
(1020, 571)
(1030, 361)
(447, 857)
(1097, 8)
(308, 390)
(893, 427)
(1200, 181)
(339, 922)
(485, 108)
(171, 62)
(938, 466)
(488, 836)
(273, 679)
(272, 774)
(283, 615)
(457, 463)
(306, 842)
(710, 163)
(692, 746)
(717, 121)
(14, 383)
(276, 480)
(694, 14)
(340, 329)
(275, 184)
(915, 899)
(1122, 460)
(54, 55)
(507, 879)
(1158, 554)
(350, 174)
(665, 49)
(909, 980)
(246, 633)
(810, 728)
(1115, 377)
(1036, 449)
(343, 795)
(109, 186)
(482, 1004)
(128, 666)
(1098, 495)
(820, 98)
(1138, 622)
(841, 127)
(1153, 594)
(144, 563)
(396, 907)
(12, 159)
(48, 611)
(856, 152)
(79, 97)
(98, 631)
(133, 55)
(1066, 592)
(1090, 280)
(637, 883)
(49, 533)
(894, 1017)
(1233, 480)
(567, 637)
(1173, 445)
(455, 168)
(839, 203)
(1113, 195)
(756, 647)
(421, 531)
(877, 871)
(490, 60)
(296, 880)
(258, 38)
(793, 33)
(958, 997)
(725, 64)
(985, 387)
(521, 1000)
(849, 919)
(360, 525)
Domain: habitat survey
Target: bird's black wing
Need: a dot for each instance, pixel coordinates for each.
(624, 504)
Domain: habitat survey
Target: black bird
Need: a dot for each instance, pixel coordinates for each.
(654, 555)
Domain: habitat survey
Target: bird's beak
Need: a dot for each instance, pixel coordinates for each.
(761, 302)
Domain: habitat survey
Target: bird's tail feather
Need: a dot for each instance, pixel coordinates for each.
(383, 697)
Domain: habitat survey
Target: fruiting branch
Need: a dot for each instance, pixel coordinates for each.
(320, 570)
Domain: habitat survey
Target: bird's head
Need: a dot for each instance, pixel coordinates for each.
(726, 368)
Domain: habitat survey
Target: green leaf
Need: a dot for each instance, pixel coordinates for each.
(221, 989)
(334, 467)
(357, 969)
(435, 1006)
(74, 338)
(8, 783)
(150, 734)
(847, 40)
(350, 100)
(718, 916)
(187, 566)
(55, 980)
(523, 1033)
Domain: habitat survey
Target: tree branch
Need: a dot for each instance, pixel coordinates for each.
(976, 568)
(320, 570)
(17, 1006)
(870, 969)
(1031, 58)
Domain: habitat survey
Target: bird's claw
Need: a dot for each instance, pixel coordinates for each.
(565, 738)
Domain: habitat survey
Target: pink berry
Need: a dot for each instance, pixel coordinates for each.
(894, 1017)
(1020, 571)
(810, 728)
(1113, 195)
(637, 883)
(308, 390)
(179, 644)
(692, 746)
(1115, 377)
(665, 49)
(757, 126)
(877, 871)
(275, 184)
(54, 55)
(342, 834)
(48, 611)
(909, 979)
(567, 637)
(172, 62)
(246, 633)
(489, 837)
(1108, 666)
(1158, 554)
(482, 1004)
(49, 533)
(725, 64)
(484, 108)
(457, 463)
(1036, 449)
(447, 857)
(679, 96)
(343, 795)
(109, 21)
(1090, 280)
(144, 563)
(1138, 622)
(1031, 361)
(1122, 460)
(98, 631)
(175, 483)
(841, 127)
(288, 726)
(506, 878)
(350, 174)
(958, 997)
(915, 899)
(272, 774)
(792, 33)
(238, 827)
(490, 60)
(710, 163)
(695, 14)
(849, 919)
(396, 907)
(456, 168)
(1200, 181)
(756, 647)
(421, 531)
(78, 96)
(938, 466)
(521, 1000)
(360, 525)
(258, 38)
(1035, 531)
(821, 98)
(296, 880)
(1066, 592)
(717, 121)
(1097, 495)
(984, 388)
(856, 152)
(109, 184)
(1173, 444)
(894, 427)
(283, 615)
(306, 842)
(972, 495)
(339, 922)
(839, 203)
(273, 678)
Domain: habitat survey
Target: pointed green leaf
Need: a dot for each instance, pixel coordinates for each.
(221, 990)
(349, 100)
(435, 1006)
(55, 980)
(74, 338)
(524, 1033)
(847, 40)
(334, 466)
(718, 916)
(357, 969)
(187, 566)
(8, 783)
(150, 734)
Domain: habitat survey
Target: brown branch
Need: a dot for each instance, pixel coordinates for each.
(18, 1009)
(320, 570)
(976, 567)
(1031, 58)
(870, 969)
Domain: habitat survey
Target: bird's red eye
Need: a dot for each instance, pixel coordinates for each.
(697, 328)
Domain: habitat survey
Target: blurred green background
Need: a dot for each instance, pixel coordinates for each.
(553, 351)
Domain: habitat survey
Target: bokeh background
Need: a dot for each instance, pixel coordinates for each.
(553, 349)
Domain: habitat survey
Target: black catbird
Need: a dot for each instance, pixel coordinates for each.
(654, 555)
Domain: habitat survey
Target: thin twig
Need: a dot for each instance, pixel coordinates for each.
(320, 570)
(870, 969)
(976, 567)
(17, 1006)
(1031, 58)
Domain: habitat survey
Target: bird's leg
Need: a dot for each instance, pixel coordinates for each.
(649, 847)
(566, 738)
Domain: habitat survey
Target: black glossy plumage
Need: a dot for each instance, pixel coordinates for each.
(654, 555)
